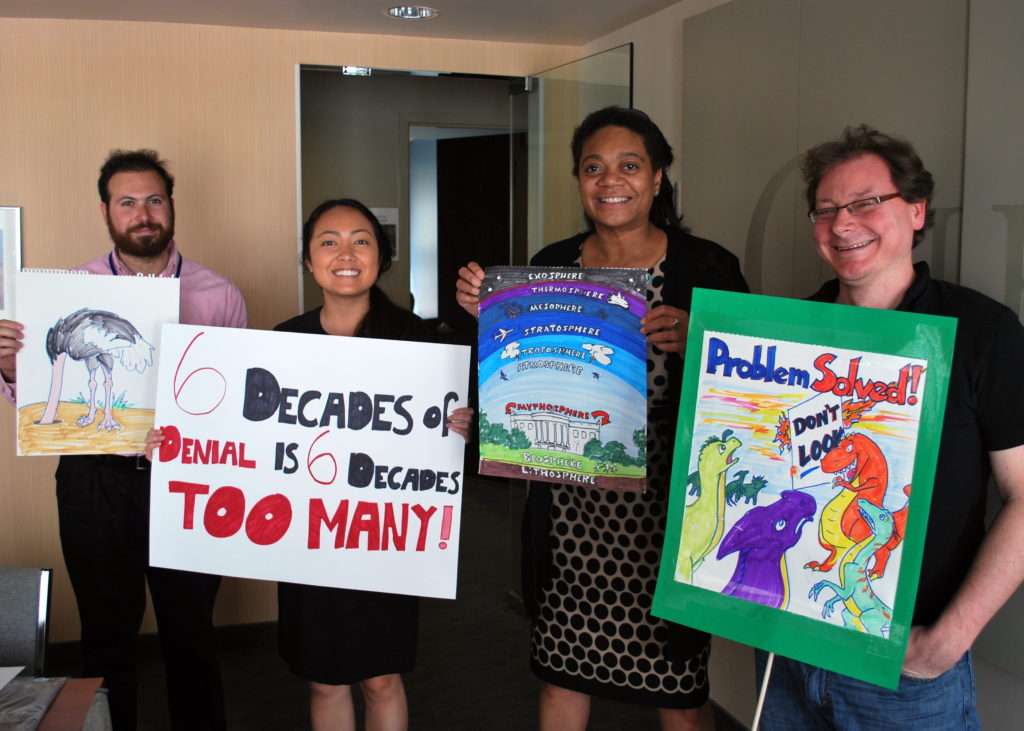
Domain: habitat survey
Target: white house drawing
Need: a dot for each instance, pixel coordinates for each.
(549, 430)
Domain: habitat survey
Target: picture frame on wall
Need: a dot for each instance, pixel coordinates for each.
(10, 257)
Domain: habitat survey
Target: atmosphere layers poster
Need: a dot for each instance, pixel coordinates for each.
(563, 375)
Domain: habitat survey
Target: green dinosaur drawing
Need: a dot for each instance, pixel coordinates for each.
(862, 609)
(704, 520)
(735, 489)
(735, 486)
(693, 482)
(746, 490)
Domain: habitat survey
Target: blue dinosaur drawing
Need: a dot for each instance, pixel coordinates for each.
(863, 610)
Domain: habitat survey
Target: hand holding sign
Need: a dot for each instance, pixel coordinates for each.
(307, 467)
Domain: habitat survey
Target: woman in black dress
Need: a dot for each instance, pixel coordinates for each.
(591, 556)
(335, 638)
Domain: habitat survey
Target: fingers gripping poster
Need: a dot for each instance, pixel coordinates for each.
(802, 477)
(563, 375)
(87, 369)
(309, 459)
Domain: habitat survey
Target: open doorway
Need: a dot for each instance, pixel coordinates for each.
(464, 194)
(435, 150)
(354, 141)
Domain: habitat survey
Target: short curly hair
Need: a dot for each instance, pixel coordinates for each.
(909, 175)
(133, 161)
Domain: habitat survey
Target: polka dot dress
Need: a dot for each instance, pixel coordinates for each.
(594, 632)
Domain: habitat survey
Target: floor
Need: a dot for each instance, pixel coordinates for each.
(472, 670)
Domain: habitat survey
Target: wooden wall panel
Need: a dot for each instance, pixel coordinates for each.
(219, 104)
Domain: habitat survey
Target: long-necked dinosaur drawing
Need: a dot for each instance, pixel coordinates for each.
(704, 520)
(862, 608)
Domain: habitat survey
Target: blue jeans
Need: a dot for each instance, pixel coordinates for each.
(805, 697)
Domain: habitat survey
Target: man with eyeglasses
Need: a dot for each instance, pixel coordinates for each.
(869, 199)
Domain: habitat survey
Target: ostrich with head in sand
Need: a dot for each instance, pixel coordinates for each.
(98, 338)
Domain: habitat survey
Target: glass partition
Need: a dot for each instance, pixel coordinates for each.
(557, 100)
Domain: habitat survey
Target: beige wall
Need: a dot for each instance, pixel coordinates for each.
(658, 66)
(993, 262)
(219, 103)
(657, 90)
(764, 82)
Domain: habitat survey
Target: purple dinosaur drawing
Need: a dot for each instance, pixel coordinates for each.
(762, 537)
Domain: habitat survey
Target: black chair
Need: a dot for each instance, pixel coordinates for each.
(24, 617)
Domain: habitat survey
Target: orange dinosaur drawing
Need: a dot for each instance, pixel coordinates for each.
(861, 471)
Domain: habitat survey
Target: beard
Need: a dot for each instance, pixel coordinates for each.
(147, 246)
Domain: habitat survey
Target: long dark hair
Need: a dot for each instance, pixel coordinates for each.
(383, 242)
(663, 210)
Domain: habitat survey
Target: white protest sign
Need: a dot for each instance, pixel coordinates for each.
(816, 427)
(309, 459)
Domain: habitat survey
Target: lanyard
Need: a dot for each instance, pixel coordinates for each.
(113, 269)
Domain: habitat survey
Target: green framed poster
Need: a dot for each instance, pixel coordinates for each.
(803, 466)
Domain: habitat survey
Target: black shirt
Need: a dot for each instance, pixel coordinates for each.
(984, 413)
(689, 262)
(385, 320)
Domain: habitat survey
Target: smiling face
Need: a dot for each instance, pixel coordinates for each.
(617, 180)
(344, 255)
(140, 215)
(871, 250)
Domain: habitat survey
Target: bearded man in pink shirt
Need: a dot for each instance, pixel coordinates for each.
(103, 500)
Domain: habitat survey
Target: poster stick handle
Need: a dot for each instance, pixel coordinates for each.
(764, 691)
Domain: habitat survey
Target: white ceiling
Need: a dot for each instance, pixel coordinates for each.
(534, 21)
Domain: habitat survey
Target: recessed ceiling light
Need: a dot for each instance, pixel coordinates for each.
(413, 12)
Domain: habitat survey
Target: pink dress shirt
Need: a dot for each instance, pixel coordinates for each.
(207, 298)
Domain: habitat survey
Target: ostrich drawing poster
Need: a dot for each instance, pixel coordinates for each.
(802, 477)
(87, 371)
(563, 375)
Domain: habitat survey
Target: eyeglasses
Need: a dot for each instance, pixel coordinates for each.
(856, 208)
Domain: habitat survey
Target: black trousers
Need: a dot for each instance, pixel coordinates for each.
(103, 504)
